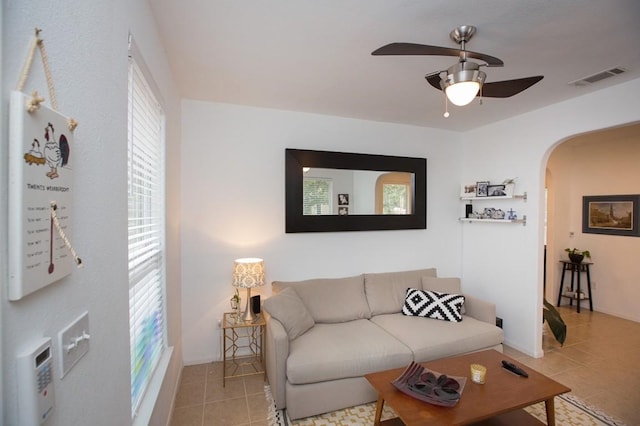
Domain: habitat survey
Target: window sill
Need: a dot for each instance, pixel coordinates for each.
(143, 416)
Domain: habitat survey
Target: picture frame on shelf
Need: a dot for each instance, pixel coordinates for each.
(496, 191)
(343, 211)
(468, 190)
(482, 188)
(343, 199)
(611, 215)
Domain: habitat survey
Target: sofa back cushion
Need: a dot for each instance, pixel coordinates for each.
(449, 285)
(288, 308)
(331, 300)
(386, 291)
(443, 285)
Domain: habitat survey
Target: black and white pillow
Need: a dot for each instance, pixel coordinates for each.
(433, 304)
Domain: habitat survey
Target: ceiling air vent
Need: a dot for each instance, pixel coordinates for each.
(585, 81)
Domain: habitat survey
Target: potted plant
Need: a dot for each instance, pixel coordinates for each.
(577, 256)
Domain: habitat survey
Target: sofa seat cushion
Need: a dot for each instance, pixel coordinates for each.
(432, 339)
(331, 300)
(386, 290)
(341, 350)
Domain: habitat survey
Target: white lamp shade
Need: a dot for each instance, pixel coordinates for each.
(248, 272)
(462, 93)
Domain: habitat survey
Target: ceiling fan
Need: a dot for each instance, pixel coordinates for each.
(464, 80)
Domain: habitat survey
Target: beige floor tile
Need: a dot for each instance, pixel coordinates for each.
(214, 369)
(255, 384)
(230, 412)
(188, 416)
(193, 373)
(190, 394)
(234, 388)
(258, 409)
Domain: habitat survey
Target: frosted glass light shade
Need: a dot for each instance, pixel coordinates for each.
(463, 82)
(248, 272)
(462, 93)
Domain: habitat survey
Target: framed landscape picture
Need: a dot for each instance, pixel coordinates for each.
(611, 214)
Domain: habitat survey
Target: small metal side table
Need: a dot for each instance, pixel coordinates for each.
(577, 295)
(242, 347)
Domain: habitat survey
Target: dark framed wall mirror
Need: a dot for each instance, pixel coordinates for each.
(328, 191)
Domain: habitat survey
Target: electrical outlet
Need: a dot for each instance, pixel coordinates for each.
(73, 343)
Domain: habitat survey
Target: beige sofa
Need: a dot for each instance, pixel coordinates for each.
(324, 335)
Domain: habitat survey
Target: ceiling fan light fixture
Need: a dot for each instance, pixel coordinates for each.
(463, 93)
(463, 82)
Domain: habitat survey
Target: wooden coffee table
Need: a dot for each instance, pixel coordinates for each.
(498, 402)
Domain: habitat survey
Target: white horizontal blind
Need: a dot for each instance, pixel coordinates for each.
(146, 232)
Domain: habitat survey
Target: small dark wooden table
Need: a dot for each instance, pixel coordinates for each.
(498, 402)
(576, 269)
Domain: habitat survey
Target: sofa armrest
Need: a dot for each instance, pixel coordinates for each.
(277, 352)
(480, 309)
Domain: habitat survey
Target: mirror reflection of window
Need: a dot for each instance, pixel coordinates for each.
(316, 196)
(393, 193)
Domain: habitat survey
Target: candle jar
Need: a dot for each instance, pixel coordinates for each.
(478, 373)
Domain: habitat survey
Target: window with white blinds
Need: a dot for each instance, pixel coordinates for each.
(317, 194)
(146, 232)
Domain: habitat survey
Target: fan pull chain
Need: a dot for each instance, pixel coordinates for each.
(67, 243)
(446, 106)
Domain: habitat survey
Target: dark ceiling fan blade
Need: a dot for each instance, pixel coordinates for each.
(434, 79)
(424, 49)
(507, 88)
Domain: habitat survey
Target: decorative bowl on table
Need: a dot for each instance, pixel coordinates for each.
(430, 386)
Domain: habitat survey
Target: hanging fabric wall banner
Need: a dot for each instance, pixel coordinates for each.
(40, 187)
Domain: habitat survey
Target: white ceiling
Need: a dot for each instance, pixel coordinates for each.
(315, 55)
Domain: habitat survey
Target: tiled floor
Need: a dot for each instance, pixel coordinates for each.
(600, 362)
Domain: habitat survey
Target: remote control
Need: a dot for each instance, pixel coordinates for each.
(514, 368)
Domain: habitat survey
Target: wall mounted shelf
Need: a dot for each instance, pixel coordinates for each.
(502, 197)
(523, 221)
(470, 199)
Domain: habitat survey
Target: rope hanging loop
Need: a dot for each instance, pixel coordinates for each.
(34, 104)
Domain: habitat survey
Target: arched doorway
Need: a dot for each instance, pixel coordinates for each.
(602, 162)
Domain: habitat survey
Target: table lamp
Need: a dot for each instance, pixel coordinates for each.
(248, 273)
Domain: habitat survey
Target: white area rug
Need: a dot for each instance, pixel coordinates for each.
(569, 411)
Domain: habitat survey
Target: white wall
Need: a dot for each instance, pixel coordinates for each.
(503, 263)
(233, 206)
(87, 49)
(598, 163)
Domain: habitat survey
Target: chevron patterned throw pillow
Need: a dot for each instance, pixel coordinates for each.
(433, 304)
